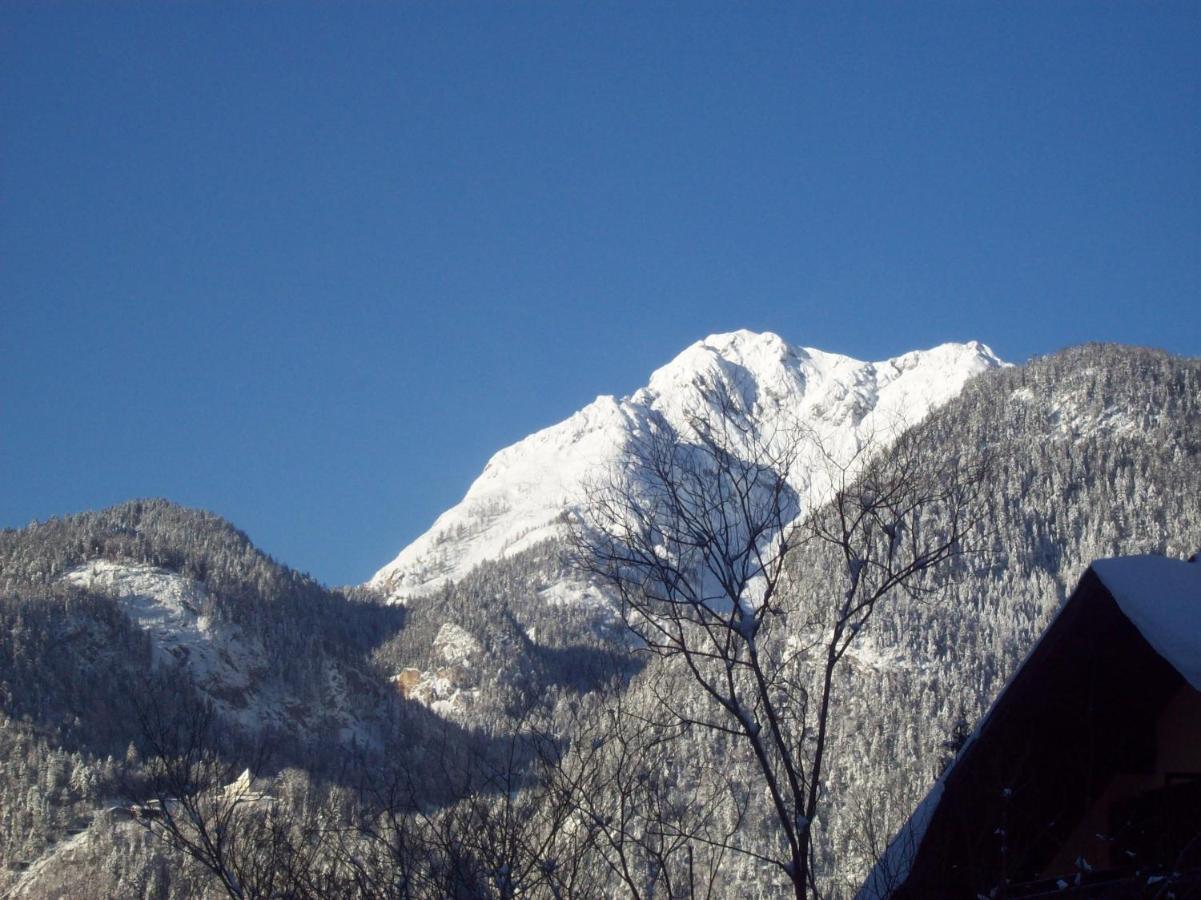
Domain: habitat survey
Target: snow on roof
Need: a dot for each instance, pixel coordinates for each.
(1162, 599)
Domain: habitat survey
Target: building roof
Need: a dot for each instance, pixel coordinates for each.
(1160, 597)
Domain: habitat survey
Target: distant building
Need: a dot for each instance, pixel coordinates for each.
(248, 789)
(1084, 779)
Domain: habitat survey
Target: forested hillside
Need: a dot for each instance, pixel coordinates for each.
(108, 617)
(1092, 452)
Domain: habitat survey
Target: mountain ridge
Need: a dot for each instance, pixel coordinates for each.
(525, 489)
(1094, 454)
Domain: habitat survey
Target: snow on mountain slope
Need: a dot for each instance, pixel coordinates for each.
(171, 609)
(451, 686)
(525, 489)
(224, 662)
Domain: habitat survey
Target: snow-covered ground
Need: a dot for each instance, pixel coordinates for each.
(524, 491)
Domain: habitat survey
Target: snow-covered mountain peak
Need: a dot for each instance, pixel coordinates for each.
(525, 490)
(745, 361)
(758, 352)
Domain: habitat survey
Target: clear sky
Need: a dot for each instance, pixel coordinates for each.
(309, 265)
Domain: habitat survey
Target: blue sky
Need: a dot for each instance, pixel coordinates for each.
(309, 265)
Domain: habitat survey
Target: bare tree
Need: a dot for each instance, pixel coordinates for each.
(496, 831)
(507, 834)
(695, 534)
(193, 799)
(633, 821)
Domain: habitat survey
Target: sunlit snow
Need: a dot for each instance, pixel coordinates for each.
(522, 495)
